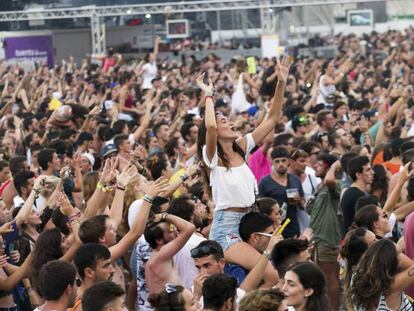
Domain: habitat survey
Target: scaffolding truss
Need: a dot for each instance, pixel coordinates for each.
(96, 13)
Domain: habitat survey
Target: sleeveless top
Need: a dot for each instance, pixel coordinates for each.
(404, 306)
(382, 304)
(233, 187)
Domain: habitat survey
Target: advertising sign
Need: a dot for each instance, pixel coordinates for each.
(36, 49)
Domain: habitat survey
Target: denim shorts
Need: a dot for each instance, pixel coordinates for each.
(225, 227)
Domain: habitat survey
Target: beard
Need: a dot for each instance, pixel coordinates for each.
(282, 170)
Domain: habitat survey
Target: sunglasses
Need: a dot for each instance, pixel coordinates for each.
(204, 250)
(269, 235)
(298, 153)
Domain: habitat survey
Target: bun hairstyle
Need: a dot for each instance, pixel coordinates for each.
(170, 299)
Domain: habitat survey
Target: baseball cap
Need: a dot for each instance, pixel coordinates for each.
(90, 158)
(298, 120)
(108, 150)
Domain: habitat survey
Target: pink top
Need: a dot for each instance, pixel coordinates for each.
(108, 63)
(260, 164)
(409, 244)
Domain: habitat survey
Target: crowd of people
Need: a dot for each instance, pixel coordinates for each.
(143, 185)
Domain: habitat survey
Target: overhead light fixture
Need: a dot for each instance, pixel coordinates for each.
(148, 15)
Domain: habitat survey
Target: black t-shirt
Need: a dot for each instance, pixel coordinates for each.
(348, 204)
(268, 88)
(270, 188)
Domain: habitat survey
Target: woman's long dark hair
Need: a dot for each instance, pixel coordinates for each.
(366, 217)
(380, 182)
(352, 250)
(47, 248)
(374, 274)
(311, 276)
(201, 141)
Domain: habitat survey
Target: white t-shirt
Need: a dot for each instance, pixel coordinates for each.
(234, 187)
(184, 263)
(309, 185)
(311, 182)
(133, 211)
(150, 72)
(392, 220)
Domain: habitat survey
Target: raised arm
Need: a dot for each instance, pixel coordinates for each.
(330, 179)
(145, 121)
(26, 210)
(73, 215)
(11, 281)
(137, 229)
(256, 275)
(275, 111)
(122, 180)
(185, 228)
(97, 202)
(396, 192)
(190, 171)
(156, 46)
(210, 117)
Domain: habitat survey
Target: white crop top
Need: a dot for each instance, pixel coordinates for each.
(234, 187)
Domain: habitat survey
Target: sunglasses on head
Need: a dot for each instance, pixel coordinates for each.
(204, 250)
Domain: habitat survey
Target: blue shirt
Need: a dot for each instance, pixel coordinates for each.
(236, 271)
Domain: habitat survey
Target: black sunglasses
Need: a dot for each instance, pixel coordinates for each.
(205, 250)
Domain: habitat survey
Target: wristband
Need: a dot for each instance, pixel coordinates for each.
(209, 96)
(148, 198)
(99, 185)
(118, 187)
(164, 216)
(72, 217)
(102, 187)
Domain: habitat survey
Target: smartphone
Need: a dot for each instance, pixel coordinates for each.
(205, 80)
(11, 248)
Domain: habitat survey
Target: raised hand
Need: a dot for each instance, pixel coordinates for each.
(109, 171)
(192, 169)
(282, 68)
(64, 205)
(159, 186)
(207, 89)
(6, 228)
(405, 174)
(126, 175)
(39, 183)
(140, 153)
